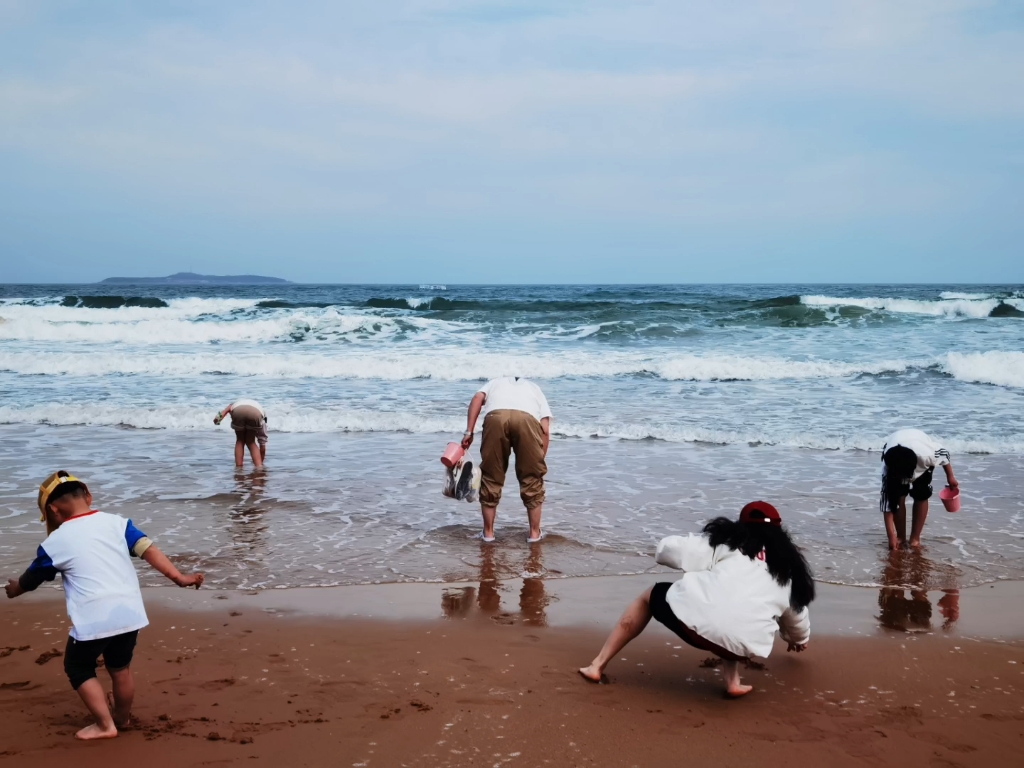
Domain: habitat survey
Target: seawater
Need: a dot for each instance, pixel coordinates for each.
(672, 404)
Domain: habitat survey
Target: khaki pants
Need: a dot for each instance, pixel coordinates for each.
(249, 424)
(506, 431)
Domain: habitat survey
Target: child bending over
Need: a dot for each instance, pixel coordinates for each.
(249, 421)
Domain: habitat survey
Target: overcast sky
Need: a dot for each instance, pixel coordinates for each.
(434, 141)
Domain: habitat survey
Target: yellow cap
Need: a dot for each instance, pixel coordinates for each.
(49, 485)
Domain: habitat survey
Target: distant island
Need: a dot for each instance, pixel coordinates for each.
(191, 278)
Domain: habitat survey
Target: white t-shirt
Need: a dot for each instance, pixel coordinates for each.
(251, 403)
(729, 598)
(930, 453)
(92, 554)
(516, 394)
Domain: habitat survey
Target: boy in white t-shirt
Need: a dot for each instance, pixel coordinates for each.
(92, 551)
(909, 459)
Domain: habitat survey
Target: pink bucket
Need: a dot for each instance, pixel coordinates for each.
(452, 455)
(950, 498)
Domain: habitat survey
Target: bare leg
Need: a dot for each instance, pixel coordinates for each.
(733, 686)
(239, 450)
(254, 451)
(489, 514)
(92, 694)
(920, 515)
(630, 625)
(263, 451)
(900, 519)
(890, 531)
(534, 517)
(123, 682)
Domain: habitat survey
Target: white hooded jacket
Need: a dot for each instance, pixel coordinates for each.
(730, 599)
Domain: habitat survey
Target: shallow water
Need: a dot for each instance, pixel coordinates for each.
(672, 404)
(362, 508)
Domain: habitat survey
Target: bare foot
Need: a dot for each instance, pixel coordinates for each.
(738, 689)
(915, 544)
(593, 674)
(91, 732)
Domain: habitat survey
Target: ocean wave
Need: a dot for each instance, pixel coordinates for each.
(459, 364)
(962, 295)
(112, 302)
(289, 418)
(1006, 310)
(281, 418)
(776, 301)
(199, 321)
(1005, 369)
(951, 307)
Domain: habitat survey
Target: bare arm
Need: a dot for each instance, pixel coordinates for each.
(220, 416)
(950, 477)
(545, 424)
(159, 560)
(475, 406)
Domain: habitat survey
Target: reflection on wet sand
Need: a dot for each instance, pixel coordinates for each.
(904, 608)
(457, 602)
(246, 516)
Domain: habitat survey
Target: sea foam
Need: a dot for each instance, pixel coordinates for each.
(1004, 369)
(951, 307)
(454, 364)
(291, 418)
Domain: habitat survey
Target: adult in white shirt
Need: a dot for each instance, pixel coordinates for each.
(909, 458)
(517, 418)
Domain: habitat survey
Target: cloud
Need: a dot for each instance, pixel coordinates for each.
(727, 114)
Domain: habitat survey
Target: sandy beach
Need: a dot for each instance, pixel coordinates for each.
(483, 674)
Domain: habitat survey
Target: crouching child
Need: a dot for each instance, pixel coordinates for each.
(92, 552)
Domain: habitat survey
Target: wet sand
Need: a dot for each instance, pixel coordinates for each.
(483, 674)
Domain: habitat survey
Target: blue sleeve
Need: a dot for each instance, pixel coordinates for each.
(132, 536)
(41, 570)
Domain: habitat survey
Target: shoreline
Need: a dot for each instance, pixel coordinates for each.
(988, 611)
(435, 675)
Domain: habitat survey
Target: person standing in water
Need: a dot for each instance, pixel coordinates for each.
(517, 418)
(743, 580)
(249, 421)
(909, 458)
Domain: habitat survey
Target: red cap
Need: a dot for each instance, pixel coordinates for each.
(760, 512)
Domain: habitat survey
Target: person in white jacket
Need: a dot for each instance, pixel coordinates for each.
(743, 580)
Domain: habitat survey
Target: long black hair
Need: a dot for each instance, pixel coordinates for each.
(900, 463)
(785, 562)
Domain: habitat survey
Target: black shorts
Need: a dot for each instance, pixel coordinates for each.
(921, 489)
(662, 611)
(80, 655)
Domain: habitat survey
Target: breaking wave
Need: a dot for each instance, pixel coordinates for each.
(1004, 369)
(444, 365)
(948, 305)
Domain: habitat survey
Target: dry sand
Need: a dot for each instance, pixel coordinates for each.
(228, 679)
